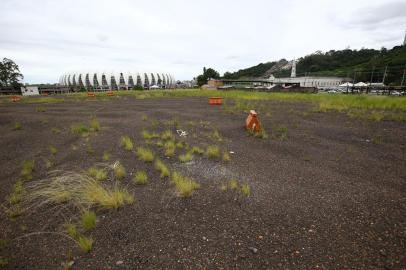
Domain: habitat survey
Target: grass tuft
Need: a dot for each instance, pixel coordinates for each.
(245, 189)
(213, 151)
(147, 135)
(106, 156)
(169, 148)
(184, 185)
(94, 124)
(80, 129)
(167, 135)
(16, 195)
(127, 143)
(53, 150)
(17, 126)
(88, 220)
(26, 171)
(85, 243)
(162, 168)
(186, 157)
(233, 184)
(145, 154)
(226, 157)
(197, 150)
(140, 178)
(55, 130)
(71, 230)
(119, 170)
(98, 174)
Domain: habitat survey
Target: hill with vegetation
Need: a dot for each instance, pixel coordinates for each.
(363, 64)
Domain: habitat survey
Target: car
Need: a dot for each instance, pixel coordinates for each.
(332, 92)
(395, 93)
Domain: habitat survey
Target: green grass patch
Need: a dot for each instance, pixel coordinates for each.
(245, 189)
(126, 143)
(17, 126)
(226, 157)
(167, 135)
(71, 230)
(148, 136)
(145, 154)
(94, 124)
(53, 150)
(140, 178)
(17, 194)
(106, 156)
(197, 150)
(85, 243)
(233, 184)
(80, 129)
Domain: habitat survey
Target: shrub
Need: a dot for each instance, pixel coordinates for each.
(17, 126)
(26, 171)
(197, 150)
(127, 143)
(186, 157)
(226, 157)
(98, 174)
(162, 168)
(94, 124)
(167, 135)
(213, 151)
(140, 178)
(88, 220)
(144, 154)
(184, 185)
(119, 170)
(233, 184)
(106, 156)
(80, 129)
(53, 150)
(85, 243)
(246, 190)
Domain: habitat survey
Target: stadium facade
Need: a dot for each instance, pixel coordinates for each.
(117, 80)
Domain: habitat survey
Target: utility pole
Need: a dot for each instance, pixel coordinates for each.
(383, 79)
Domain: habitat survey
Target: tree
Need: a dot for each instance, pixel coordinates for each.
(207, 74)
(10, 73)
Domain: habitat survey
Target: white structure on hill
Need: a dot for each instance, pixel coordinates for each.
(117, 80)
(293, 73)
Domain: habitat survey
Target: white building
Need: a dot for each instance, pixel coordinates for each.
(113, 80)
(309, 81)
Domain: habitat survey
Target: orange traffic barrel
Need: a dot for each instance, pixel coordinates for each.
(15, 98)
(91, 94)
(252, 123)
(215, 100)
(110, 93)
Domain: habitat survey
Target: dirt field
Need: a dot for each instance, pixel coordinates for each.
(326, 191)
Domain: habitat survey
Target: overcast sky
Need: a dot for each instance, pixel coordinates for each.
(49, 37)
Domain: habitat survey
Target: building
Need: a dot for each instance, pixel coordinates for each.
(117, 80)
(309, 81)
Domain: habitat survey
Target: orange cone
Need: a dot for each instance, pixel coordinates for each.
(252, 123)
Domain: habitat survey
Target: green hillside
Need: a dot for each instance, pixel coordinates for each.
(364, 64)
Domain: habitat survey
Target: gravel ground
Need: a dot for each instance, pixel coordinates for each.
(330, 195)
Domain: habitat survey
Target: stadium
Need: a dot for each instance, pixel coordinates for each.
(117, 80)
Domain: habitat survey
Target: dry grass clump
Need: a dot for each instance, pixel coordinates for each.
(26, 171)
(184, 185)
(77, 189)
(162, 168)
(126, 143)
(226, 157)
(119, 170)
(17, 126)
(85, 243)
(140, 178)
(94, 124)
(216, 136)
(16, 195)
(145, 154)
(186, 157)
(71, 230)
(213, 151)
(167, 135)
(88, 219)
(100, 174)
